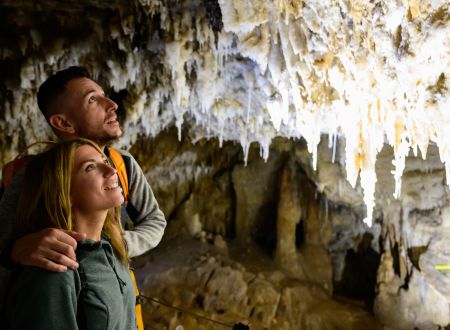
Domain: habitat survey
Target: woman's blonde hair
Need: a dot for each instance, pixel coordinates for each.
(45, 201)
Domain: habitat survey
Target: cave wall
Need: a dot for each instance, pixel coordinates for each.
(224, 104)
(308, 224)
(246, 70)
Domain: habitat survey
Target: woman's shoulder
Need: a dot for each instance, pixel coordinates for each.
(35, 292)
(34, 278)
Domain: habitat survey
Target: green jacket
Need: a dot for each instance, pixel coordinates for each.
(39, 299)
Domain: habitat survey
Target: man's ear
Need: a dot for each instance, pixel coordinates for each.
(61, 123)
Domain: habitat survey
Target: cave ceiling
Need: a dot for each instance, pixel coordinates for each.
(369, 72)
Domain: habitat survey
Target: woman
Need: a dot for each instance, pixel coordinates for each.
(72, 186)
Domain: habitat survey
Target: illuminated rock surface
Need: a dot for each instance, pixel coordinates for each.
(374, 75)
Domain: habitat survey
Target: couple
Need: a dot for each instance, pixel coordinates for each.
(72, 188)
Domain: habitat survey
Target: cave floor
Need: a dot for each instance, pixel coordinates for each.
(190, 284)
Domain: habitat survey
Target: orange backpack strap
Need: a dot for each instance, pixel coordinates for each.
(117, 159)
(139, 319)
(121, 169)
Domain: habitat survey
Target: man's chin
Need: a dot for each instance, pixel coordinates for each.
(104, 138)
(108, 139)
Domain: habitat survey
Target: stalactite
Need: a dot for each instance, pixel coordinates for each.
(304, 63)
(368, 73)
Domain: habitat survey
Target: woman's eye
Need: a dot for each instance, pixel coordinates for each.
(90, 167)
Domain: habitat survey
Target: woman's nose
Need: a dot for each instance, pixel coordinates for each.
(109, 170)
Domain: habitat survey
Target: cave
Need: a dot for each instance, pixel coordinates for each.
(299, 150)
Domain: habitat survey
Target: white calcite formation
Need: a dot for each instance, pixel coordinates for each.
(370, 73)
(412, 290)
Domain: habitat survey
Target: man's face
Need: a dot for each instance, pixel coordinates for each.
(92, 114)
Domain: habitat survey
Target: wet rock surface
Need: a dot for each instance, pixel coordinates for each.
(269, 131)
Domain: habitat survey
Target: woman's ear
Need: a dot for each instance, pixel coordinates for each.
(61, 123)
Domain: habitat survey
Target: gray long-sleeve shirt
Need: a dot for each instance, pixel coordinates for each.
(149, 221)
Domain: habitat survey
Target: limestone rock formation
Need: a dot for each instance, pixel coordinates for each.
(247, 70)
(276, 132)
(312, 238)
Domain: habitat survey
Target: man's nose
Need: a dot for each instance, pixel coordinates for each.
(110, 105)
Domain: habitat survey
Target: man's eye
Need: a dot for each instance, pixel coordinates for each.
(92, 99)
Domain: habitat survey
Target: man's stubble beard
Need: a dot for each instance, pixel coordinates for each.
(101, 140)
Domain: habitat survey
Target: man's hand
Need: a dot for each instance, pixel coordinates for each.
(51, 249)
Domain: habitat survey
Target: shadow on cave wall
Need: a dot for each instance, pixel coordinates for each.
(358, 279)
(264, 231)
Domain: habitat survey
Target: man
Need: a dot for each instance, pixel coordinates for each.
(76, 106)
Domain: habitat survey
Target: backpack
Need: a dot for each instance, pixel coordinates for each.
(22, 160)
(119, 165)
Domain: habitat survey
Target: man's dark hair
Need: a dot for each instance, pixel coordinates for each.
(55, 86)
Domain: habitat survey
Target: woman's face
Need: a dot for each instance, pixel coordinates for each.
(95, 185)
